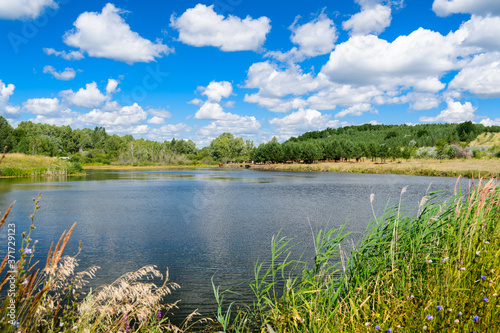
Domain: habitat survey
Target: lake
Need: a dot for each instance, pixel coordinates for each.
(199, 222)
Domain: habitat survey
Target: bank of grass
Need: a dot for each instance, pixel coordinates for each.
(145, 167)
(21, 165)
(438, 271)
(467, 168)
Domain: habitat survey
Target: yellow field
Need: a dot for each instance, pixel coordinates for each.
(427, 167)
(487, 139)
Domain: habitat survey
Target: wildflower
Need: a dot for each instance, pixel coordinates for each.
(450, 310)
(25, 282)
(424, 328)
(456, 321)
(485, 299)
(158, 315)
(495, 295)
(367, 324)
(478, 253)
(462, 268)
(399, 326)
(377, 327)
(444, 260)
(460, 314)
(429, 317)
(75, 327)
(475, 319)
(486, 242)
(429, 261)
(36, 241)
(412, 297)
(27, 251)
(483, 277)
(61, 324)
(439, 307)
(389, 330)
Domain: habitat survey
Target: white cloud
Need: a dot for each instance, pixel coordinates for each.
(156, 120)
(73, 55)
(210, 110)
(66, 75)
(343, 94)
(216, 90)
(455, 112)
(478, 7)
(88, 98)
(314, 38)
(127, 115)
(202, 26)
(481, 32)
(490, 122)
(106, 35)
(481, 77)
(111, 87)
(196, 101)
(356, 110)
(5, 108)
(371, 19)
(416, 60)
(42, 106)
(300, 121)
(24, 9)
(161, 113)
(63, 118)
(5, 92)
(274, 82)
(276, 104)
(240, 125)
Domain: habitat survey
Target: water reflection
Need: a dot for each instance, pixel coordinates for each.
(199, 222)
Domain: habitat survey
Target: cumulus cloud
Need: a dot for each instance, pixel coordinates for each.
(72, 55)
(106, 35)
(5, 108)
(490, 122)
(416, 60)
(481, 32)
(211, 110)
(24, 9)
(301, 121)
(356, 110)
(156, 120)
(66, 75)
(216, 90)
(127, 115)
(455, 112)
(88, 97)
(202, 26)
(274, 82)
(481, 77)
(372, 19)
(42, 106)
(314, 38)
(161, 113)
(276, 104)
(478, 7)
(344, 95)
(239, 125)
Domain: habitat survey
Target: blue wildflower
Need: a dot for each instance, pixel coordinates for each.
(475, 319)
(429, 317)
(389, 330)
(483, 277)
(377, 327)
(485, 299)
(439, 307)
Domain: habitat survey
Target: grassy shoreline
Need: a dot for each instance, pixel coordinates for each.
(21, 165)
(422, 167)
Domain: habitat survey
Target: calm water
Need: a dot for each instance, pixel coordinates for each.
(198, 222)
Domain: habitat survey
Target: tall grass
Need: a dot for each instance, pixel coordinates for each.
(438, 271)
(51, 299)
(21, 165)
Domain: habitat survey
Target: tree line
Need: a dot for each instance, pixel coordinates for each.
(346, 143)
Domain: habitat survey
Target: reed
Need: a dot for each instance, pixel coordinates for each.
(436, 271)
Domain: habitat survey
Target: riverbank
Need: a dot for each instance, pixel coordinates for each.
(21, 165)
(419, 167)
(146, 167)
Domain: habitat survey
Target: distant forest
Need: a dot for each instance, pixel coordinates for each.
(346, 143)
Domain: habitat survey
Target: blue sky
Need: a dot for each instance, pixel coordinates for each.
(195, 69)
